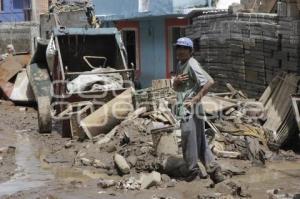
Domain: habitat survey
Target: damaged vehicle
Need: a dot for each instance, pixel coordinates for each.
(78, 65)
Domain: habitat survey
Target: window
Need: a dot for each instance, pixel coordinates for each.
(18, 4)
(144, 5)
(21, 4)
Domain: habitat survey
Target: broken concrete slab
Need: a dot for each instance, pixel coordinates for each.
(109, 115)
(165, 141)
(150, 180)
(121, 164)
(22, 91)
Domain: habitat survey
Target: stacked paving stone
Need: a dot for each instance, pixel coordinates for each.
(246, 49)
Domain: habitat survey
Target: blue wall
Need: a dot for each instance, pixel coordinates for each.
(153, 51)
(9, 14)
(128, 9)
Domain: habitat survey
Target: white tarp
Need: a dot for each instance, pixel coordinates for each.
(87, 82)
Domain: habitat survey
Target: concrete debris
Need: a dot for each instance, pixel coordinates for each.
(108, 116)
(99, 164)
(86, 162)
(121, 164)
(22, 91)
(69, 144)
(232, 188)
(164, 141)
(150, 180)
(104, 184)
(278, 194)
(107, 137)
(132, 160)
(129, 184)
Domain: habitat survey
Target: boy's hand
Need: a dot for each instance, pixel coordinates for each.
(181, 78)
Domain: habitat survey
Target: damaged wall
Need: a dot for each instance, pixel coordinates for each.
(19, 34)
(246, 50)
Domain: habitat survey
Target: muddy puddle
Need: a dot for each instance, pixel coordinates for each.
(32, 172)
(29, 173)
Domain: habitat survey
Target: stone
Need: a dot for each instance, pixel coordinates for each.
(99, 164)
(144, 149)
(122, 164)
(11, 150)
(3, 150)
(172, 183)
(69, 144)
(132, 160)
(23, 109)
(106, 183)
(165, 178)
(86, 162)
(150, 180)
(111, 148)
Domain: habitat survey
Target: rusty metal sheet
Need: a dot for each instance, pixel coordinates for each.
(23, 59)
(9, 68)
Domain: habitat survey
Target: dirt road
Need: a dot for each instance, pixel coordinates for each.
(41, 166)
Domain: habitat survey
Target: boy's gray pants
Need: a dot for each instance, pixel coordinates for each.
(194, 142)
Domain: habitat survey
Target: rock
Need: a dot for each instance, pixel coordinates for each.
(111, 148)
(171, 183)
(69, 144)
(110, 172)
(132, 160)
(150, 180)
(76, 183)
(165, 178)
(232, 188)
(3, 150)
(11, 150)
(122, 164)
(23, 109)
(144, 149)
(1, 160)
(129, 184)
(99, 164)
(106, 183)
(86, 162)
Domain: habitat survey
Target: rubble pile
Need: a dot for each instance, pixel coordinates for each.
(148, 138)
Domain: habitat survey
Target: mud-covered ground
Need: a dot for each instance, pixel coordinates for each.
(46, 166)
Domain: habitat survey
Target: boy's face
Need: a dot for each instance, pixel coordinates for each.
(183, 53)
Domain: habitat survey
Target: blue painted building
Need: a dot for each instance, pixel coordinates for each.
(15, 10)
(149, 29)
